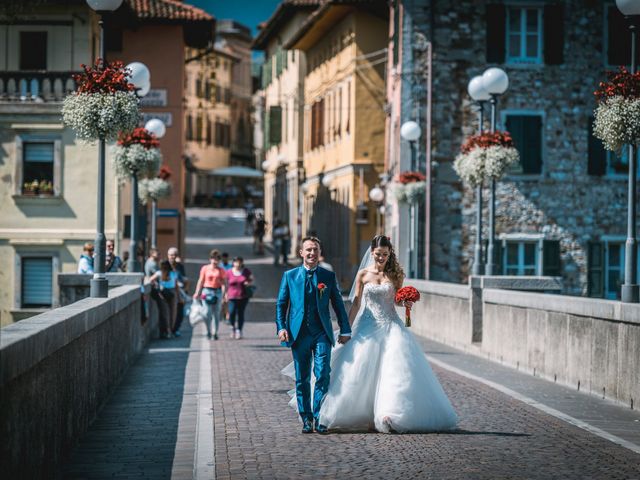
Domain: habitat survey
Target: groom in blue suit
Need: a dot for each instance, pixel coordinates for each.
(304, 324)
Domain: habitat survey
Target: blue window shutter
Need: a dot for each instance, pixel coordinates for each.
(37, 282)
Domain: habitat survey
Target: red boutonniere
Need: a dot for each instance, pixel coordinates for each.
(321, 287)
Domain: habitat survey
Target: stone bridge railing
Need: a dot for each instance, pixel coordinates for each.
(57, 369)
(588, 344)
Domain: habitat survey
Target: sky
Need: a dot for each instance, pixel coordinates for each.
(247, 12)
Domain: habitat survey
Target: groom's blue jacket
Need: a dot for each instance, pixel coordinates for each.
(290, 303)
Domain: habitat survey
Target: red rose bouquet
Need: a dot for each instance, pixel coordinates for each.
(407, 294)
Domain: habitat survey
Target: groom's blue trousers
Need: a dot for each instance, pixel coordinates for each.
(306, 349)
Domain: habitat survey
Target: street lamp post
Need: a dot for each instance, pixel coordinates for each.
(99, 286)
(376, 194)
(411, 132)
(630, 291)
(495, 81)
(141, 78)
(478, 93)
(157, 127)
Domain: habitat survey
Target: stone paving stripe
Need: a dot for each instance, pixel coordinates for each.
(535, 404)
(204, 467)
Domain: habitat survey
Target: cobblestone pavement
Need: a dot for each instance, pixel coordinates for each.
(150, 426)
(258, 436)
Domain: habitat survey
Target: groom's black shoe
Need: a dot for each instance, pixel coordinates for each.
(307, 425)
(321, 428)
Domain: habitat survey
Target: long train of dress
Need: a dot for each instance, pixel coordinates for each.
(381, 379)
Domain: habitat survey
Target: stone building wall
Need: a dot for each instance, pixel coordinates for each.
(564, 202)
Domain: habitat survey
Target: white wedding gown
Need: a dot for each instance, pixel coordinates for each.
(381, 379)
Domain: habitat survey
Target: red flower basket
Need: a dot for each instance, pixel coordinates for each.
(140, 135)
(407, 294)
(103, 77)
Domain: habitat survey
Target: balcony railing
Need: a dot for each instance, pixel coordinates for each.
(35, 86)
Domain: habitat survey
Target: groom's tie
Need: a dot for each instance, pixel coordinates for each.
(308, 283)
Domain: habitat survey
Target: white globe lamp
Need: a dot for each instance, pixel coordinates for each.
(477, 91)
(326, 181)
(156, 126)
(410, 131)
(495, 81)
(140, 77)
(376, 194)
(104, 5)
(629, 8)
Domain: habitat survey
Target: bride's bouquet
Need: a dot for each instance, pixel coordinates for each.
(407, 294)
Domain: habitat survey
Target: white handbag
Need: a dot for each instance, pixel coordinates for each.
(197, 313)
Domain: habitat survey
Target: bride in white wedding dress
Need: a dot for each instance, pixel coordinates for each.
(381, 379)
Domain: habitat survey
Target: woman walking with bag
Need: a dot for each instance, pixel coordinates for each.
(239, 280)
(211, 288)
(167, 283)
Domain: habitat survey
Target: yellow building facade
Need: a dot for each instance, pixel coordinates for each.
(207, 119)
(343, 136)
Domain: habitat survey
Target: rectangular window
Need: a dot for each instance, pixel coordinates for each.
(38, 168)
(614, 269)
(606, 268)
(520, 258)
(33, 50)
(37, 282)
(618, 165)
(524, 35)
(526, 131)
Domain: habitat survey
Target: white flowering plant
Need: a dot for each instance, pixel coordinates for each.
(150, 189)
(617, 115)
(488, 155)
(137, 154)
(104, 103)
(410, 187)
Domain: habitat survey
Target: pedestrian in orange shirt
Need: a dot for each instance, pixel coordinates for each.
(211, 288)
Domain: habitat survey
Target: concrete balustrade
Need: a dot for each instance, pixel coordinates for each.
(57, 369)
(589, 344)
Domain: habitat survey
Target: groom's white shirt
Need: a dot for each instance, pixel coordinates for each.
(313, 270)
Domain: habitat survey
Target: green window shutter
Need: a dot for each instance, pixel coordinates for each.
(37, 282)
(595, 270)
(285, 59)
(496, 18)
(597, 154)
(551, 258)
(275, 120)
(553, 34)
(526, 131)
(267, 117)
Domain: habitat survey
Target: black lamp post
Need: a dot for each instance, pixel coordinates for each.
(495, 82)
(411, 132)
(99, 287)
(630, 291)
(478, 93)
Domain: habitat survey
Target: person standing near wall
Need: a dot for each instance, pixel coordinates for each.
(113, 263)
(183, 287)
(85, 264)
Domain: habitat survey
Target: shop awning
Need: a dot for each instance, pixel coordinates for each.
(244, 172)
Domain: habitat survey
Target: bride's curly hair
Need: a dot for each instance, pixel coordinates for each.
(392, 268)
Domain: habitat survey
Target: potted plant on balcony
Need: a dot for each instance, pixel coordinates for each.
(137, 154)
(410, 187)
(37, 187)
(103, 104)
(487, 155)
(617, 116)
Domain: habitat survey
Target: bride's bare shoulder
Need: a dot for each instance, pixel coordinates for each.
(362, 273)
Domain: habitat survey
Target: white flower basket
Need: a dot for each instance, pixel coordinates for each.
(617, 122)
(101, 115)
(136, 160)
(150, 189)
(409, 192)
(480, 163)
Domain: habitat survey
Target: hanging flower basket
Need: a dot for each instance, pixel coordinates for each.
(617, 116)
(410, 187)
(104, 103)
(150, 189)
(485, 156)
(137, 154)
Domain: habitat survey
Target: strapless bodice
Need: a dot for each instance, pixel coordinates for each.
(379, 301)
